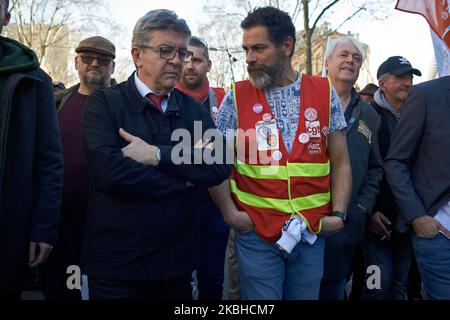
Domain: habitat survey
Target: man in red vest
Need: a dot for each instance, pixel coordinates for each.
(292, 178)
(213, 229)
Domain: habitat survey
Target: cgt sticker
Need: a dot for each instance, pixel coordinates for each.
(313, 129)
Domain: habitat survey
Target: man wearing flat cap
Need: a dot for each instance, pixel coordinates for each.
(95, 64)
(386, 244)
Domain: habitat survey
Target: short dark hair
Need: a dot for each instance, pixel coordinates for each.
(200, 43)
(160, 19)
(278, 23)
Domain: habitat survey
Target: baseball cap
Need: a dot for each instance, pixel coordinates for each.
(397, 65)
(97, 44)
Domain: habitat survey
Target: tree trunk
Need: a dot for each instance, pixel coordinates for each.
(307, 37)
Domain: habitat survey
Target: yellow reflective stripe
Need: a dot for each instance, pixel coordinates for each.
(309, 169)
(280, 172)
(282, 205)
(310, 202)
(261, 172)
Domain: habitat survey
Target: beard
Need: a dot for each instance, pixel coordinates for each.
(192, 81)
(95, 80)
(264, 76)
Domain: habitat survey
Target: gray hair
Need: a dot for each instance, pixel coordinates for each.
(384, 77)
(160, 19)
(343, 40)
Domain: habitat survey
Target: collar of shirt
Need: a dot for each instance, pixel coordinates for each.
(382, 102)
(354, 100)
(144, 90)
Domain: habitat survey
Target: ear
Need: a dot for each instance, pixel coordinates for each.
(136, 54)
(288, 46)
(7, 17)
(381, 84)
(113, 67)
(326, 65)
(209, 65)
(76, 62)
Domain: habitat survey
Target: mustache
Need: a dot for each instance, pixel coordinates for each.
(93, 69)
(258, 67)
(190, 74)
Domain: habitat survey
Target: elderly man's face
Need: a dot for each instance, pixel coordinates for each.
(395, 88)
(94, 69)
(160, 74)
(344, 64)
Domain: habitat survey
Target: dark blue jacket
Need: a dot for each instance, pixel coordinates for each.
(418, 162)
(362, 140)
(386, 202)
(143, 222)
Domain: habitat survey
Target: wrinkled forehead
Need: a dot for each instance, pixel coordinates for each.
(168, 37)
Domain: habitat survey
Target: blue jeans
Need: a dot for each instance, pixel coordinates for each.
(265, 274)
(214, 238)
(433, 261)
(394, 258)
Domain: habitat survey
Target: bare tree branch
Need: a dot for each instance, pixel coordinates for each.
(321, 14)
(46, 24)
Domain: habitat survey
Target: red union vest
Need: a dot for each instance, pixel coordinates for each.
(296, 183)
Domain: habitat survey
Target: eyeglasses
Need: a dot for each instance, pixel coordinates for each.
(102, 62)
(168, 53)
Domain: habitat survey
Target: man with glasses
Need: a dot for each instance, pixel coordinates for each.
(143, 222)
(95, 64)
(31, 165)
(214, 231)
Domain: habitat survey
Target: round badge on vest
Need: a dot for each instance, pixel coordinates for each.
(215, 109)
(258, 108)
(277, 156)
(267, 117)
(304, 138)
(311, 114)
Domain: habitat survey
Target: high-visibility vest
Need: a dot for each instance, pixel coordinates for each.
(299, 182)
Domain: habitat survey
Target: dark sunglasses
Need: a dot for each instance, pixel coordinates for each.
(102, 62)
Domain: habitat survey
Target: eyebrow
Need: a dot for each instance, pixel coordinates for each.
(353, 54)
(253, 46)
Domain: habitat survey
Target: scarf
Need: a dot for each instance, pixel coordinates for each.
(199, 94)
